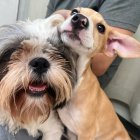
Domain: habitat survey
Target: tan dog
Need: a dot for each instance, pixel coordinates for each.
(89, 114)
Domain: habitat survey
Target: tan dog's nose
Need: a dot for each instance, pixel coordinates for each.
(79, 21)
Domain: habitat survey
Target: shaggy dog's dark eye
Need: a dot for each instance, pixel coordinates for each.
(74, 11)
(100, 28)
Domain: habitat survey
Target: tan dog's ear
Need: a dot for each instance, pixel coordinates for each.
(123, 45)
(64, 13)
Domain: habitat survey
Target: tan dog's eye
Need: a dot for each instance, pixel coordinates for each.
(74, 11)
(100, 28)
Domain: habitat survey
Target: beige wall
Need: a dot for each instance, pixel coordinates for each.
(32, 9)
(8, 11)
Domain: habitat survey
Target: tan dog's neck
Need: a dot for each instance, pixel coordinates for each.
(82, 65)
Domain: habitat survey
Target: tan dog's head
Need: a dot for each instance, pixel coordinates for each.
(86, 32)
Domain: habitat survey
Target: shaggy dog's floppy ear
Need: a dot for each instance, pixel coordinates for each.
(10, 34)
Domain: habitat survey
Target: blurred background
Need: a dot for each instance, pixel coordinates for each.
(12, 10)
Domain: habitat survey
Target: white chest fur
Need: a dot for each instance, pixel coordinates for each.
(51, 128)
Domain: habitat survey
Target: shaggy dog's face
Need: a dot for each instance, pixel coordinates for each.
(35, 76)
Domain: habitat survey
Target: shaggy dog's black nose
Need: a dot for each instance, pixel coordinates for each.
(79, 21)
(39, 65)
